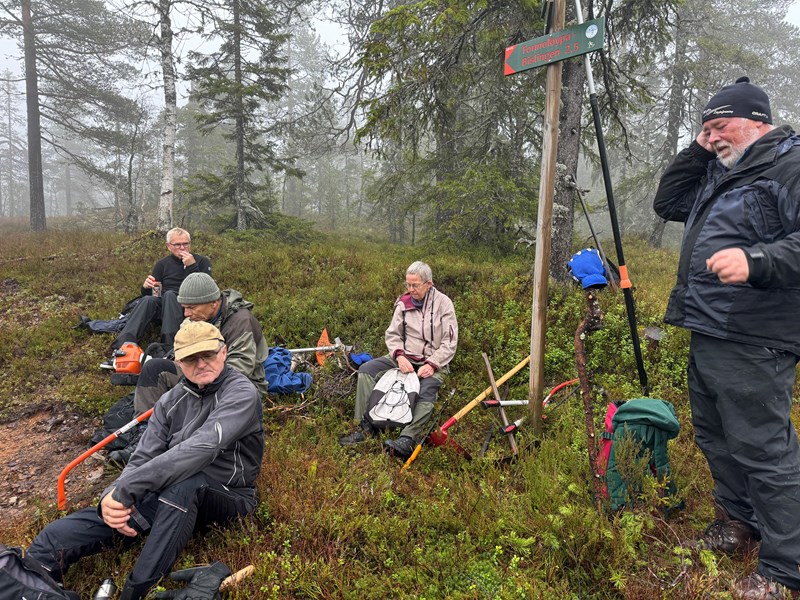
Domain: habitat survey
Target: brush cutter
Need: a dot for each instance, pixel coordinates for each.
(62, 495)
(440, 437)
(324, 348)
(625, 282)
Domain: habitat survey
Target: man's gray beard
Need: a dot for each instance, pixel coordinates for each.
(734, 156)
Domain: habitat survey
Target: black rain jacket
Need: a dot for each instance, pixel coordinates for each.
(754, 206)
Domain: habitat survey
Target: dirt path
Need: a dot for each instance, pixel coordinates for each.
(33, 452)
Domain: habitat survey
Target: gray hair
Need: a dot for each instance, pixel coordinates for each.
(177, 231)
(421, 269)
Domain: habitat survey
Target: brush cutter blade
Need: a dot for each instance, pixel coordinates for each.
(437, 438)
(323, 341)
(441, 438)
(451, 443)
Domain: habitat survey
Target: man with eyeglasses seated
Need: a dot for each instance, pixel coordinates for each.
(422, 337)
(159, 291)
(202, 301)
(196, 464)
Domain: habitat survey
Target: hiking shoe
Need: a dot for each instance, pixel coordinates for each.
(120, 457)
(402, 447)
(757, 587)
(728, 535)
(351, 439)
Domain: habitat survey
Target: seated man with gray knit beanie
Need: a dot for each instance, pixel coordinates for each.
(202, 300)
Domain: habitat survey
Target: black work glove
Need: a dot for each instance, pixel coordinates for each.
(204, 583)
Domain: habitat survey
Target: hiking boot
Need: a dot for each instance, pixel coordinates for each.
(365, 430)
(351, 439)
(402, 447)
(120, 457)
(757, 587)
(728, 535)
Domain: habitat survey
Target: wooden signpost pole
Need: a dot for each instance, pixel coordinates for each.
(558, 44)
(544, 225)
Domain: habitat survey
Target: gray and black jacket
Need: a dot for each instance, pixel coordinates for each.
(754, 206)
(217, 430)
(247, 348)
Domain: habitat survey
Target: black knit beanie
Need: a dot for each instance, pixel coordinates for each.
(741, 99)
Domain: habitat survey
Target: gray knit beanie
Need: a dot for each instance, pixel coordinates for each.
(198, 288)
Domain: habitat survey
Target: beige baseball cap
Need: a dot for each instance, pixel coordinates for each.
(196, 336)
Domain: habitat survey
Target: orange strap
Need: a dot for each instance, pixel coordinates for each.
(624, 282)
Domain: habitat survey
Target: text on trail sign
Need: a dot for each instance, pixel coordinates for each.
(573, 41)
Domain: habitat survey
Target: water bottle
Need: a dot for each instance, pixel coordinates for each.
(106, 590)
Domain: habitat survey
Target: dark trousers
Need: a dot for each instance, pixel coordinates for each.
(152, 309)
(158, 376)
(167, 518)
(741, 398)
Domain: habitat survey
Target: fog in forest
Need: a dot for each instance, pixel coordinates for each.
(392, 119)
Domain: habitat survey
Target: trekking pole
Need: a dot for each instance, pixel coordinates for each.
(418, 449)
(625, 282)
(600, 251)
(62, 495)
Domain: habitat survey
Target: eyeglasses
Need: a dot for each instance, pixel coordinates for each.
(181, 244)
(206, 357)
(414, 286)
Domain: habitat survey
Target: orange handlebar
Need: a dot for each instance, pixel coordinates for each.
(62, 495)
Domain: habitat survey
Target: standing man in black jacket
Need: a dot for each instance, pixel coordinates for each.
(159, 292)
(196, 464)
(737, 189)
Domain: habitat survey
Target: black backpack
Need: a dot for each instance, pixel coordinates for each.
(21, 576)
(121, 413)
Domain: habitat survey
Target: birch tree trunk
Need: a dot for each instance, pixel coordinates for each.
(164, 219)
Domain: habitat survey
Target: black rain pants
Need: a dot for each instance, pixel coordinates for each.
(167, 518)
(164, 309)
(741, 399)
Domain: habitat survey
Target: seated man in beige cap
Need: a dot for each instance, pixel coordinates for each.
(196, 464)
(202, 300)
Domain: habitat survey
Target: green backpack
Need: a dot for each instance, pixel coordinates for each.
(651, 423)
